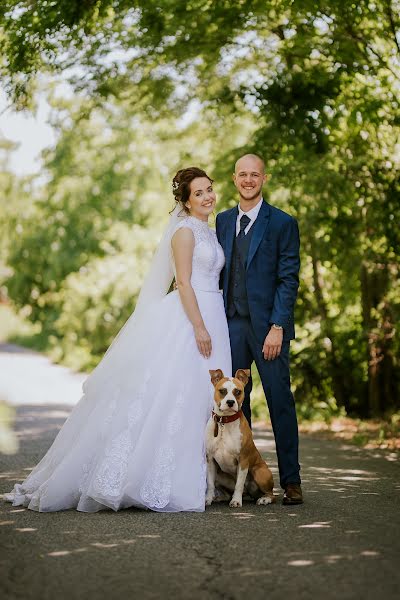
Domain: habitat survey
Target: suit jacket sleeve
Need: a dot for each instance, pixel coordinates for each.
(287, 274)
(217, 225)
(218, 231)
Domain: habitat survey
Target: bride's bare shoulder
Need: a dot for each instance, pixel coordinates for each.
(183, 234)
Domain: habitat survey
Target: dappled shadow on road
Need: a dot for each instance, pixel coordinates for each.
(40, 422)
(15, 349)
(38, 425)
(216, 554)
(68, 533)
(341, 528)
(35, 427)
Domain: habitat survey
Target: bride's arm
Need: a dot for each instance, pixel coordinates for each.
(182, 247)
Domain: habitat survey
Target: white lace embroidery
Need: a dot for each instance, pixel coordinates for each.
(208, 256)
(156, 489)
(110, 475)
(86, 469)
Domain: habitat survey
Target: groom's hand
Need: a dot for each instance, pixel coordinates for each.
(273, 344)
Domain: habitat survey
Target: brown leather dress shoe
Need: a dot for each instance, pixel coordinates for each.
(293, 494)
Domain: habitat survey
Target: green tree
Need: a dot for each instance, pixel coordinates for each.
(93, 207)
(316, 87)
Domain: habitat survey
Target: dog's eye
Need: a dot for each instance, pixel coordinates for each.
(236, 392)
(223, 391)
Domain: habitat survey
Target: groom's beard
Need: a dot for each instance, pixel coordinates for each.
(257, 194)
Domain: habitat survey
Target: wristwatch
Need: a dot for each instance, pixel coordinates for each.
(274, 326)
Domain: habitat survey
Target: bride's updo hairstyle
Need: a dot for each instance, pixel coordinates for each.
(181, 185)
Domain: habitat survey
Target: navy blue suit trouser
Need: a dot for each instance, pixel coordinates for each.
(275, 379)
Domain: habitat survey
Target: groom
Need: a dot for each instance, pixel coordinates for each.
(260, 282)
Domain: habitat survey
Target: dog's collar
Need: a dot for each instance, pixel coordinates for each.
(226, 419)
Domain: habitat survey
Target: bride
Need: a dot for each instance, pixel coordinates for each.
(136, 437)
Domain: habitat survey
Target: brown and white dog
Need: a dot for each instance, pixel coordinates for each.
(233, 461)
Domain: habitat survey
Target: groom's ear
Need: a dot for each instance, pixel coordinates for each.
(216, 376)
(243, 375)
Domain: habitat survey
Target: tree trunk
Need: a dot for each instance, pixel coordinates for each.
(335, 367)
(379, 333)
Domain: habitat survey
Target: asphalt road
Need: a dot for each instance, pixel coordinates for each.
(342, 543)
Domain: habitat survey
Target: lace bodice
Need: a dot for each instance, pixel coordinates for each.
(208, 256)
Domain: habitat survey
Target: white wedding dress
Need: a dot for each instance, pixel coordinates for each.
(136, 437)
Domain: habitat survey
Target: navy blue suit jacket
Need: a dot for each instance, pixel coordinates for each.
(272, 269)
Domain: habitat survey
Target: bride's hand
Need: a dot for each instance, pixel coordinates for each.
(203, 341)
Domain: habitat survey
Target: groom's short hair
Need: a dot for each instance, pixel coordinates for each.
(250, 155)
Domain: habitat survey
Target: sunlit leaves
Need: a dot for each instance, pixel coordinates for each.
(312, 86)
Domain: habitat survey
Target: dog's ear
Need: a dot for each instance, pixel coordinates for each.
(243, 375)
(216, 376)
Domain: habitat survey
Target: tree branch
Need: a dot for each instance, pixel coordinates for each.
(366, 47)
(389, 11)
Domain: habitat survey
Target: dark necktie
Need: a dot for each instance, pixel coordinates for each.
(244, 221)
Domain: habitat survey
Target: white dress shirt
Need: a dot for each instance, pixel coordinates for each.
(252, 214)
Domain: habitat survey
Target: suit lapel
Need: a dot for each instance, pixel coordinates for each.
(259, 226)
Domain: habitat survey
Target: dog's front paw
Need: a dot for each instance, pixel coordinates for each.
(235, 503)
(264, 500)
(209, 500)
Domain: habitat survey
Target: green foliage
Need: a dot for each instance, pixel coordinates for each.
(81, 245)
(312, 86)
(96, 301)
